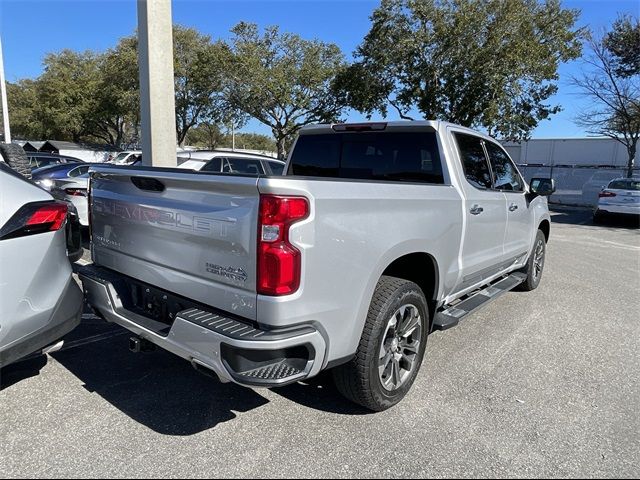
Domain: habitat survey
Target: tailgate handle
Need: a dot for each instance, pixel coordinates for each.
(148, 183)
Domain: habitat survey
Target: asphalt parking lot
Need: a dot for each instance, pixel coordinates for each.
(541, 384)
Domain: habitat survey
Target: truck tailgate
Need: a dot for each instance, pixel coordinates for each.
(193, 234)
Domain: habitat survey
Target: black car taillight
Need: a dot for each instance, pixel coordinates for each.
(33, 218)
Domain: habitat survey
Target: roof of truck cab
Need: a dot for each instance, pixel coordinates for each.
(395, 125)
(400, 124)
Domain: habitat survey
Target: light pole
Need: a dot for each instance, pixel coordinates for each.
(5, 106)
(157, 89)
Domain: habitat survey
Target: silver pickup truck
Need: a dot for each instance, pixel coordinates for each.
(377, 234)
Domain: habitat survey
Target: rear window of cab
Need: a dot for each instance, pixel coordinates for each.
(390, 156)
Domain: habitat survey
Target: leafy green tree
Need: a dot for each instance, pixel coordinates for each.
(613, 90)
(284, 81)
(118, 102)
(479, 63)
(91, 96)
(206, 135)
(68, 94)
(26, 121)
(212, 136)
(78, 97)
(623, 41)
(200, 76)
(255, 141)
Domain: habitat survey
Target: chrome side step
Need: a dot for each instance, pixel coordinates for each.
(451, 315)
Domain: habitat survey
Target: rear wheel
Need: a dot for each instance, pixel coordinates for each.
(15, 157)
(598, 216)
(391, 349)
(535, 264)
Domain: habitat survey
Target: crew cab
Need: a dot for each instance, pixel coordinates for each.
(376, 235)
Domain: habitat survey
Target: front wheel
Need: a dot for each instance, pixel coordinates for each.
(391, 349)
(535, 264)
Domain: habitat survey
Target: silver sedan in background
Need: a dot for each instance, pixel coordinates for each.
(620, 196)
(74, 190)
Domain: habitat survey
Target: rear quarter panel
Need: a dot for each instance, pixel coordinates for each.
(34, 270)
(354, 232)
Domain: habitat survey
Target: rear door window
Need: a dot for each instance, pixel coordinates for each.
(474, 161)
(76, 172)
(213, 165)
(394, 156)
(276, 167)
(317, 156)
(242, 165)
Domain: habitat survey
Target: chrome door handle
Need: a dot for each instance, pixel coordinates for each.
(476, 210)
(513, 207)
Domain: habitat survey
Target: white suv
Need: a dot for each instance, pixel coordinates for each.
(40, 302)
(230, 162)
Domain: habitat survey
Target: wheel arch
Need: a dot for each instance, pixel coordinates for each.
(545, 226)
(418, 267)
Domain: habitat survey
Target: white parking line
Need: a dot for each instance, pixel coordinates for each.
(622, 245)
(595, 243)
(82, 262)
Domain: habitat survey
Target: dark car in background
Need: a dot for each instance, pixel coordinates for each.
(46, 176)
(44, 159)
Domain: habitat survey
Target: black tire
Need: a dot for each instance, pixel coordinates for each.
(598, 216)
(15, 157)
(534, 276)
(360, 380)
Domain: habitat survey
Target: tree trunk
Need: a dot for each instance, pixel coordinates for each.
(631, 150)
(181, 134)
(280, 143)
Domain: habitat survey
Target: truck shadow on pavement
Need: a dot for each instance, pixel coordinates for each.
(156, 389)
(320, 393)
(164, 392)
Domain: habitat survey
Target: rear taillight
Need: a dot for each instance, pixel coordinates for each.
(606, 194)
(33, 218)
(278, 260)
(76, 192)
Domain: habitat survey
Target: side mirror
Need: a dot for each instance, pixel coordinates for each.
(543, 186)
